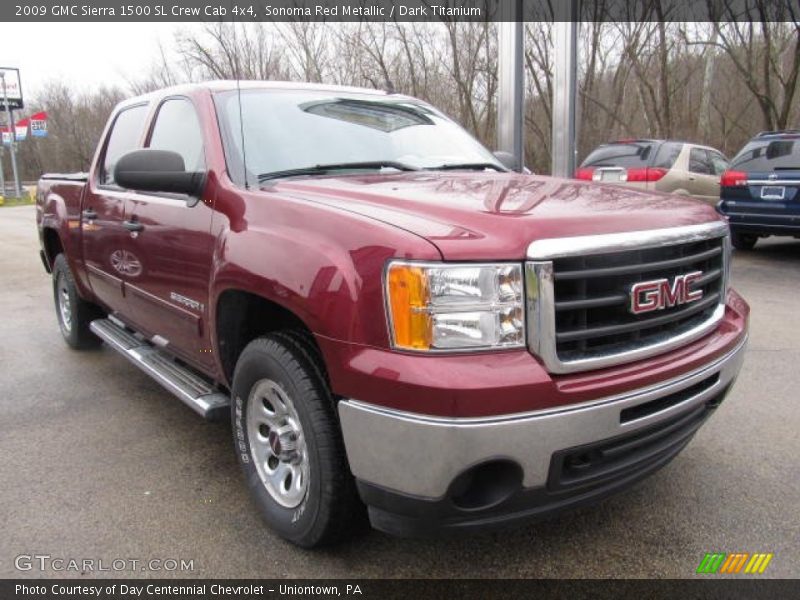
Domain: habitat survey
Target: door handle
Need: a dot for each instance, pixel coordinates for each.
(89, 214)
(132, 226)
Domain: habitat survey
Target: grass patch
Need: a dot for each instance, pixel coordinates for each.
(24, 201)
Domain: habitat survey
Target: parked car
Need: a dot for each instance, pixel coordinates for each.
(660, 165)
(387, 315)
(760, 194)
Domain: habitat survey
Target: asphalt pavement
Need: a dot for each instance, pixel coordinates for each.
(97, 462)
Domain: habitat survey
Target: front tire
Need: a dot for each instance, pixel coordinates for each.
(74, 314)
(289, 444)
(743, 241)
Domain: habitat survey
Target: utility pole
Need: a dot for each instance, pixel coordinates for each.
(13, 135)
(511, 81)
(704, 114)
(564, 87)
(2, 174)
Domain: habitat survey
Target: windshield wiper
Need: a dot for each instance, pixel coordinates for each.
(323, 169)
(467, 166)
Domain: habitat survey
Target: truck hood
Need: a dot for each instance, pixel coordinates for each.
(495, 216)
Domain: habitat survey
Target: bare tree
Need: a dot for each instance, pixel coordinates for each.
(76, 121)
(763, 43)
(643, 77)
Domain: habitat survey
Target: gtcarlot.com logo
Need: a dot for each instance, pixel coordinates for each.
(735, 563)
(46, 562)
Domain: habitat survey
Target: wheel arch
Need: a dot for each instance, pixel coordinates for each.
(240, 316)
(51, 244)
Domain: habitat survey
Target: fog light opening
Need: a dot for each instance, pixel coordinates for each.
(486, 485)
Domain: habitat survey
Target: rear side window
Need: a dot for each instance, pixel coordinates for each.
(667, 155)
(699, 162)
(767, 155)
(124, 137)
(627, 155)
(177, 129)
(718, 161)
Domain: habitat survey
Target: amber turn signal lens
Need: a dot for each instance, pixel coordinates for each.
(409, 296)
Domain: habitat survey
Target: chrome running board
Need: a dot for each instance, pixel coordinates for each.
(193, 390)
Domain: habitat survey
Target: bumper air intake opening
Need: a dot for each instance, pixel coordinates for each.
(602, 462)
(486, 485)
(649, 408)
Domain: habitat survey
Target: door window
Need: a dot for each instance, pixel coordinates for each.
(699, 162)
(124, 137)
(177, 129)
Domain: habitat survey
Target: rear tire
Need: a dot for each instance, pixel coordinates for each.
(289, 443)
(743, 241)
(73, 312)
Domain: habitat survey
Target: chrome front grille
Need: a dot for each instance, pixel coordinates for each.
(579, 294)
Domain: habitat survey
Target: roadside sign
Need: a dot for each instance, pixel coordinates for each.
(13, 88)
(21, 129)
(39, 124)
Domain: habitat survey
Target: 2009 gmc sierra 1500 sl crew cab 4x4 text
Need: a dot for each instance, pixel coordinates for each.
(390, 317)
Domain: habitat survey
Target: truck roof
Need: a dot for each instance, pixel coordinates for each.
(225, 85)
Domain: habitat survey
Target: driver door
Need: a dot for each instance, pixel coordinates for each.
(169, 300)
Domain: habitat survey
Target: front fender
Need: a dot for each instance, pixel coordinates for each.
(318, 282)
(322, 264)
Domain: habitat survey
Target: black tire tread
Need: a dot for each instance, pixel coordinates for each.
(84, 312)
(340, 507)
(350, 512)
(743, 241)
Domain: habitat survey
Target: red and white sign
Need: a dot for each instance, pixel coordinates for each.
(22, 129)
(39, 124)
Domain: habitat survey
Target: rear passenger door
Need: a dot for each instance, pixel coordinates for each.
(170, 299)
(107, 252)
(703, 179)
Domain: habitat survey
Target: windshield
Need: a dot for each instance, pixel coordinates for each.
(286, 131)
(768, 154)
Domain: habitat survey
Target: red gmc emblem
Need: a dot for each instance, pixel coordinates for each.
(647, 296)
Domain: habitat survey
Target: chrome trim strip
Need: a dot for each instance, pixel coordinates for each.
(540, 293)
(549, 249)
(773, 182)
(381, 442)
(778, 217)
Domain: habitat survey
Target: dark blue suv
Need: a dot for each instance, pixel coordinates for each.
(760, 193)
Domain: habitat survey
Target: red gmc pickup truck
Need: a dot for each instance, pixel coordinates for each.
(390, 317)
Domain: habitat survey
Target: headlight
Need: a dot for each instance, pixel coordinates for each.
(455, 306)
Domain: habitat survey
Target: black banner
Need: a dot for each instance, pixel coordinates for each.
(396, 10)
(386, 589)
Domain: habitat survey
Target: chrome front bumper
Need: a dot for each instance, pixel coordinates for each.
(418, 455)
